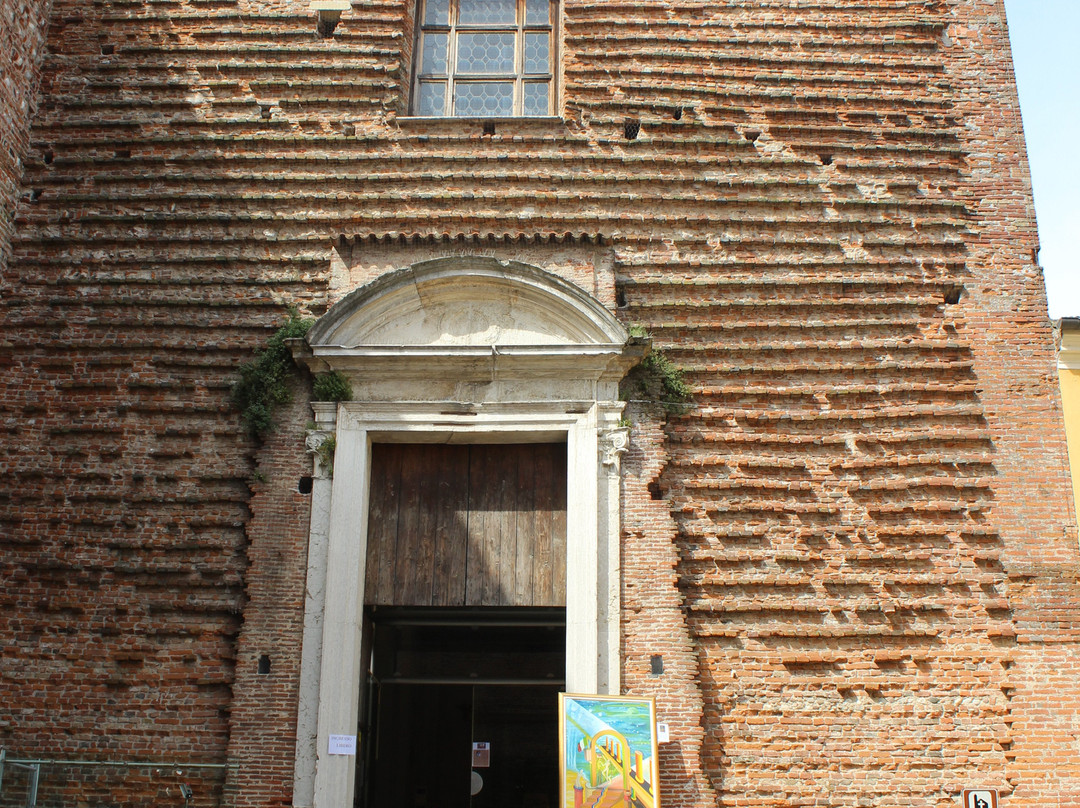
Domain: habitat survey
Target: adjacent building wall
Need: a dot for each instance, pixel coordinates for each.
(1068, 337)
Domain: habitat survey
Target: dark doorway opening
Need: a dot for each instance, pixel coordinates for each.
(452, 689)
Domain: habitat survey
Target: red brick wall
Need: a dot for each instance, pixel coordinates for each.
(262, 740)
(654, 621)
(1006, 317)
(860, 569)
(23, 26)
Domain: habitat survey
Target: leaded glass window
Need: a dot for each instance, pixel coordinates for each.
(485, 58)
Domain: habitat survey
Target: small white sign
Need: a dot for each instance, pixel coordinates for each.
(663, 734)
(980, 798)
(342, 744)
(481, 755)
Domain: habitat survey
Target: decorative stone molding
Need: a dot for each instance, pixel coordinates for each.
(315, 443)
(613, 443)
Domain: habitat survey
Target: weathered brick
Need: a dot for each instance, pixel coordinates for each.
(856, 553)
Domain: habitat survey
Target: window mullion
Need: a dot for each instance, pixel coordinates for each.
(451, 59)
(418, 56)
(519, 61)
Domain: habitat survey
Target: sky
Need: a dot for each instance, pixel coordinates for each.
(1045, 38)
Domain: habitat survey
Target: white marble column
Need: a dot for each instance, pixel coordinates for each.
(342, 622)
(307, 713)
(582, 607)
(613, 443)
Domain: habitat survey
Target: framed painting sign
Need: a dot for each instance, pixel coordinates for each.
(608, 752)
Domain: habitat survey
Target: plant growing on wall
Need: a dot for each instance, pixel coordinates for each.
(263, 385)
(326, 452)
(656, 378)
(332, 386)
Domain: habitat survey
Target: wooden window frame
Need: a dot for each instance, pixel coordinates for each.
(452, 77)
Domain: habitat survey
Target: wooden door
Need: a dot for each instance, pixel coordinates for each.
(467, 525)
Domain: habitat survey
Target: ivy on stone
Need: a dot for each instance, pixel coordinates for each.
(263, 385)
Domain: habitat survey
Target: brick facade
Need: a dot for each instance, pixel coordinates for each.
(856, 554)
(22, 41)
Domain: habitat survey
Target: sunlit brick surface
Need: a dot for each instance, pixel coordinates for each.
(856, 552)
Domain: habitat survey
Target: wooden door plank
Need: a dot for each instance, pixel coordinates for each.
(407, 555)
(476, 563)
(525, 534)
(428, 458)
(543, 591)
(489, 486)
(383, 508)
(508, 462)
(558, 525)
(451, 528)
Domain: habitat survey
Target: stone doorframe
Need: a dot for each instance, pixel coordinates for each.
(459, 350)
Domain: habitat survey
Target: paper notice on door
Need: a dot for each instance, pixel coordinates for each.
(481, 755)
(342, 745)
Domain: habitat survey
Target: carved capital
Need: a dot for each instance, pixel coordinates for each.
(613, 442)
(320, 446)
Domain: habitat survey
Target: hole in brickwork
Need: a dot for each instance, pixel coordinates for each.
(631, 129)
(266, 111)
(655, 491)
(48, 156)
(108, 50)
(752, 135)
(656, 664)
(304, 486)
(35, 194)
(489, 128)
(620, 298)
(326, 26)
(122, 154)
(952, 295)
(676, 113)
(264, 665)
(826, 159)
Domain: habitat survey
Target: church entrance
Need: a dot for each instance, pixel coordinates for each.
(476, 468)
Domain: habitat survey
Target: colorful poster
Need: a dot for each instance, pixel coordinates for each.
(608, 752)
